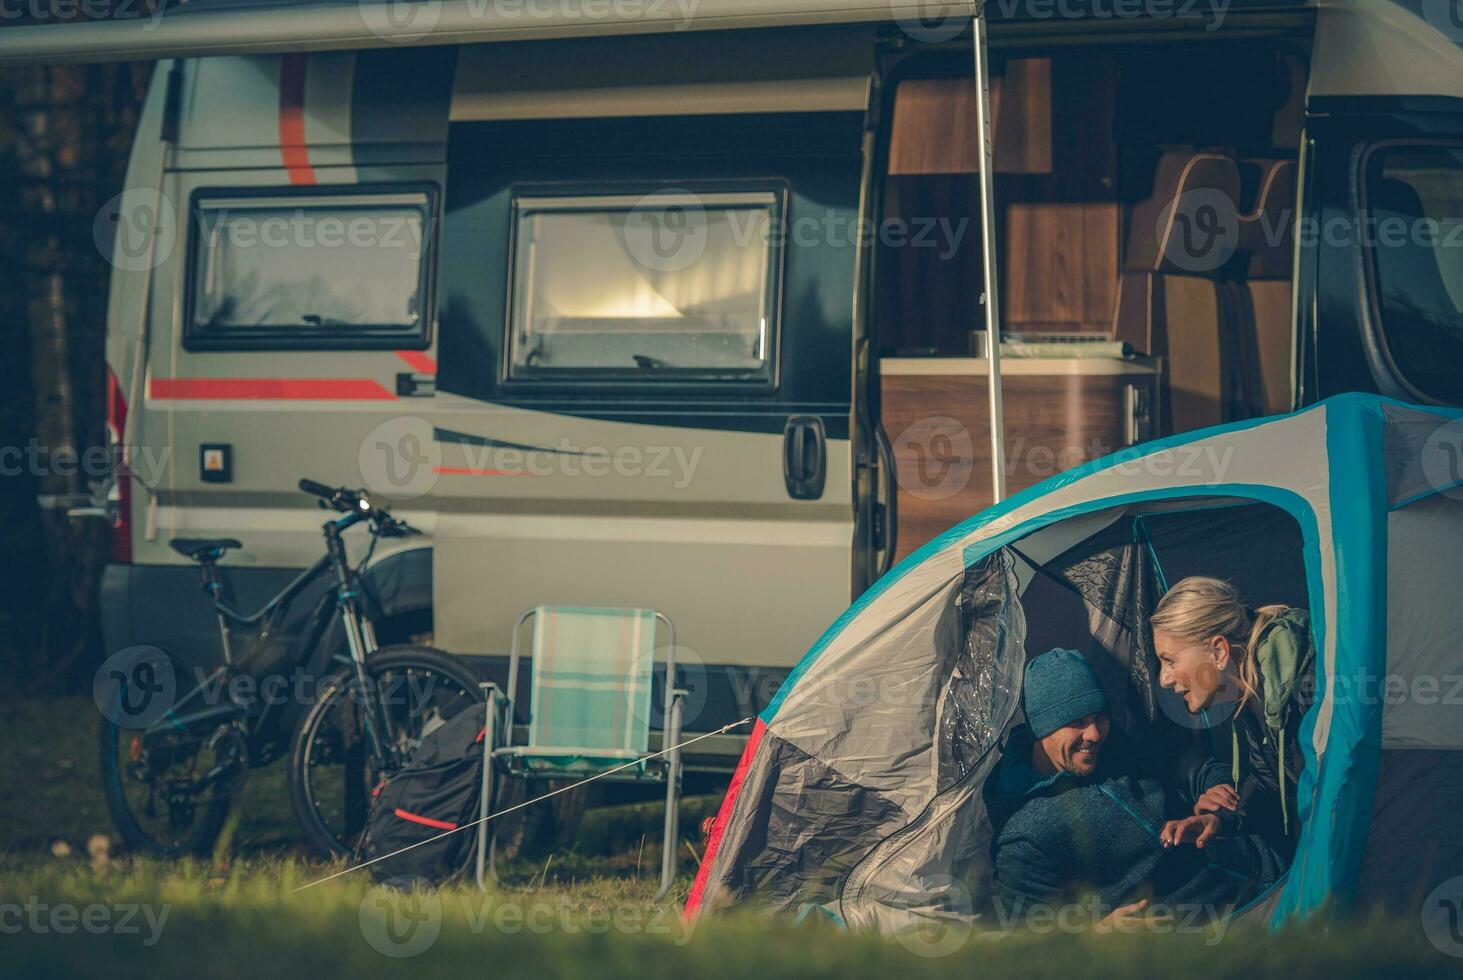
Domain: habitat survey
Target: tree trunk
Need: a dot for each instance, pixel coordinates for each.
(60, 127)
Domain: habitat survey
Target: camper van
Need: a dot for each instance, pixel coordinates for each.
(687, 307)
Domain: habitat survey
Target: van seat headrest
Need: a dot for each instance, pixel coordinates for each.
(1267, 233)
(1158, 239)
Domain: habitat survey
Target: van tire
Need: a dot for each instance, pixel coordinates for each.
(537, 831)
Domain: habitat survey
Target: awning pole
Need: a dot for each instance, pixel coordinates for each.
(988, 258)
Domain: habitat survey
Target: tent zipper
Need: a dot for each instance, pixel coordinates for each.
(1153, 831)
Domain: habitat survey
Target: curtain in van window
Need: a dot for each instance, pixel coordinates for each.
(629, 283)
(316, 264)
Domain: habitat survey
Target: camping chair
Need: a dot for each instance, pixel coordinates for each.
(589, 712)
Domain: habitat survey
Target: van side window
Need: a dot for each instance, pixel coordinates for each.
(318, 270)
(671, 286)
(1414, 196)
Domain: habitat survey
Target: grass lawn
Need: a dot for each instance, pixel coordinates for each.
(588, 912)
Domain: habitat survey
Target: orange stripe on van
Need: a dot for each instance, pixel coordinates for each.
(418, 361)
(284, 389)
(116, 407)
(292, 146)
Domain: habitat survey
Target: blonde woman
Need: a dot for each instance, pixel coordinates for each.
(1214, 651)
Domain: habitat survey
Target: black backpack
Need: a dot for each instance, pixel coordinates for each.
(436, 791)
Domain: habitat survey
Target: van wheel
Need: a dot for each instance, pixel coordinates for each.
(538, 830)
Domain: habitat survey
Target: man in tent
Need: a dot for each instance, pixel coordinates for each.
(1077, 810)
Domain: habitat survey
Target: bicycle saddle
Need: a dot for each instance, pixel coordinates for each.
(203, 549)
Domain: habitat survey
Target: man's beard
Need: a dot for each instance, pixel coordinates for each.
(1080, 762)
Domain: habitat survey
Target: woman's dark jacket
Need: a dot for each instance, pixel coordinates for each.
(1269, 724)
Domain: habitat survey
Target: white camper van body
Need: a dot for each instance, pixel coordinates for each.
(748, 495)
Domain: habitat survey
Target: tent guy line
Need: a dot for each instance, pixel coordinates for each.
(502, 813)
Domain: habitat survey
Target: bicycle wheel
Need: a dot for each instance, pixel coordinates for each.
(169, 793)
(331, 771)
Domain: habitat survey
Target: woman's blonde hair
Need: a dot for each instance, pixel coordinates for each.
(1199, 608)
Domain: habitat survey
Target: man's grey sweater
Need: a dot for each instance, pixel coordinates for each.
(1062, 835)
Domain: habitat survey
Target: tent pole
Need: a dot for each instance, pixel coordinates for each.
(988, 258)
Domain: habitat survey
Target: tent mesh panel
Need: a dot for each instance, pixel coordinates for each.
(966, 729)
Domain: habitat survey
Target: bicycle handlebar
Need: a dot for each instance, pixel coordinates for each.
(349, 501)
(318, 489)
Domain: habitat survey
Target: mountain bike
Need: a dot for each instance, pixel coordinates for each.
(174, 757)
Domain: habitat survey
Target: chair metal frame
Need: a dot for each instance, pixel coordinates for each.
(500, 722)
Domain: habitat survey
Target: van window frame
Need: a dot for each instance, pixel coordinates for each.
(690, 381)
(1371, 307)
(365, 337)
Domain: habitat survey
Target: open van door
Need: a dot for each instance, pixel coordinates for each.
(1380, 271)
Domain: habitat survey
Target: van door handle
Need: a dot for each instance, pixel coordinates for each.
(409, 385)
(886, 502)
(804, 457)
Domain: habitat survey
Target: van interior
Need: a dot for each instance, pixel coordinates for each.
(1145, 199)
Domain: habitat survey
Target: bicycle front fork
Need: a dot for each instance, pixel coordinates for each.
(360, 638)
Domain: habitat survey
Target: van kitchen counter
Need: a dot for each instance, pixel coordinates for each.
(1060, 412)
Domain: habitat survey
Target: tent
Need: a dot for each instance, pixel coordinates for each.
(859, 790)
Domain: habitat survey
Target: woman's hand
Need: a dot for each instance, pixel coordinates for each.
(1221, 797)
(1190, 830)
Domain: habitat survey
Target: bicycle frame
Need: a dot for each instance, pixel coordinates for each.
(359, 633)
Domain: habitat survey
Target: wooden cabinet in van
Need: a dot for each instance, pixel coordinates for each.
(1059, 413)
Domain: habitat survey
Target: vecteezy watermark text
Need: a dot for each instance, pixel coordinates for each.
(66, 11)
(148, 463)
(404, 21)
(137, 686)
(403, 917)
(933, 21)
(403, 457)
(309, 228)
(948, 921)
(65, 919)
(1091, 914)
(941, 459)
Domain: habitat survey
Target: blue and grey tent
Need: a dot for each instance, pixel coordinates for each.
(859, 790)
